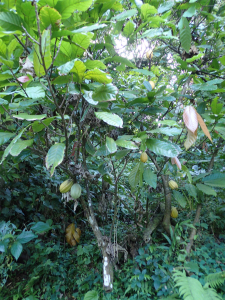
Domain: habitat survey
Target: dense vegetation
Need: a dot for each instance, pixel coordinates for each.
(126, 100)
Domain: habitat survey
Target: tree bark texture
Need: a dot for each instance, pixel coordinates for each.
(166, 219)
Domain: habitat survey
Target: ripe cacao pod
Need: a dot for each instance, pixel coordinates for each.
(152, 84)
(173, 185)
(75, 191)
(149, 54)
(66, 186)
(144, 157)
(72, 235)
(174, 212)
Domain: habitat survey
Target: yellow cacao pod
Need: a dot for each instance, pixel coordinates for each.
(75, 191)
(152, 84)
(66, 186)
(149, 54)
(144, 157)
(174, 212)
(173, 185)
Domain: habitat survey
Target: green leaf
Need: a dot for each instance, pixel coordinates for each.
(16, 249)
(185, 35)
(126, 144)
(151, 33)
(109, 118)
(66, 8)
(5, 136)
(167, 131)
(37, 127)
(179, 198)
(121, 60)
(25, 237)
(128, 29)
(93, 64)
(217, 180)
(16, 138)
(206, 189)
(5, 77)
(134, 176)
(195, 57)
(190, 12)
(97, 75)
(187, 172)
(9, 21)
(148, 10)
(105, 92)
(24, 116)
(90, 148)
(19, 146)
(150, 177)
(89, 28)
(91, 295)
(162, 148)
(34, 92)
(165, 6)
(50, 3)
(102, 151)
(55, 156)
(49, 16)
(126, 14)
(40, 227)
(46, 52)
(121, 154)
(79, 68)
(111, 145)
(191, 190)
(8, 63)
(67, 67)
(144, 72)
(216, 107)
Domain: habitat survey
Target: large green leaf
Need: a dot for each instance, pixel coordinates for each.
(134, 176)
(185, 35)
(191, 190)
(121, 60)
(5, 136)
(150, 177)
(126, 144)
(217, 180)
(89, 28)
(79, 68)
(106, 92)
(91, 295)
(66, 8)
(179, 198)
(37, 127)
(165, 6)
(19, 146)
(93, 64)
(151, 33)
(67, 67)
(46, 53)
(10, 21)
(206, 189)
(167, 131)
(50, 3)
(126, 14)
(128, 29)
(55, 156)
(148, 10)
(111, 145)
(16, 249)
(24, 116)
(49, 16)
(109, 118)
(34, 92)
(97, 75)
(216, 107)
(41, 227)
(144, 72)
(25, 237)
(162, 148)
(8, 149)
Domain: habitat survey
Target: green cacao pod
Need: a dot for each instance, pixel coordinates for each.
(173, 185)
(174, 212)
(75, 191)
(66, 186)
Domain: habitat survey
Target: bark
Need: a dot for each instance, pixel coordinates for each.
(193, 232)
(151, 227)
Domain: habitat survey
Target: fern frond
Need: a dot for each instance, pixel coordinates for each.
(210, 294)
(215, 279)
(190, 288)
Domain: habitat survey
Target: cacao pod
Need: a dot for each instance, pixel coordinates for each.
(72, 235)
(149, 54)
(144, 157)
(174, 212)
(173, 185)
(66, 186)
(75, 191)
(152, 84)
